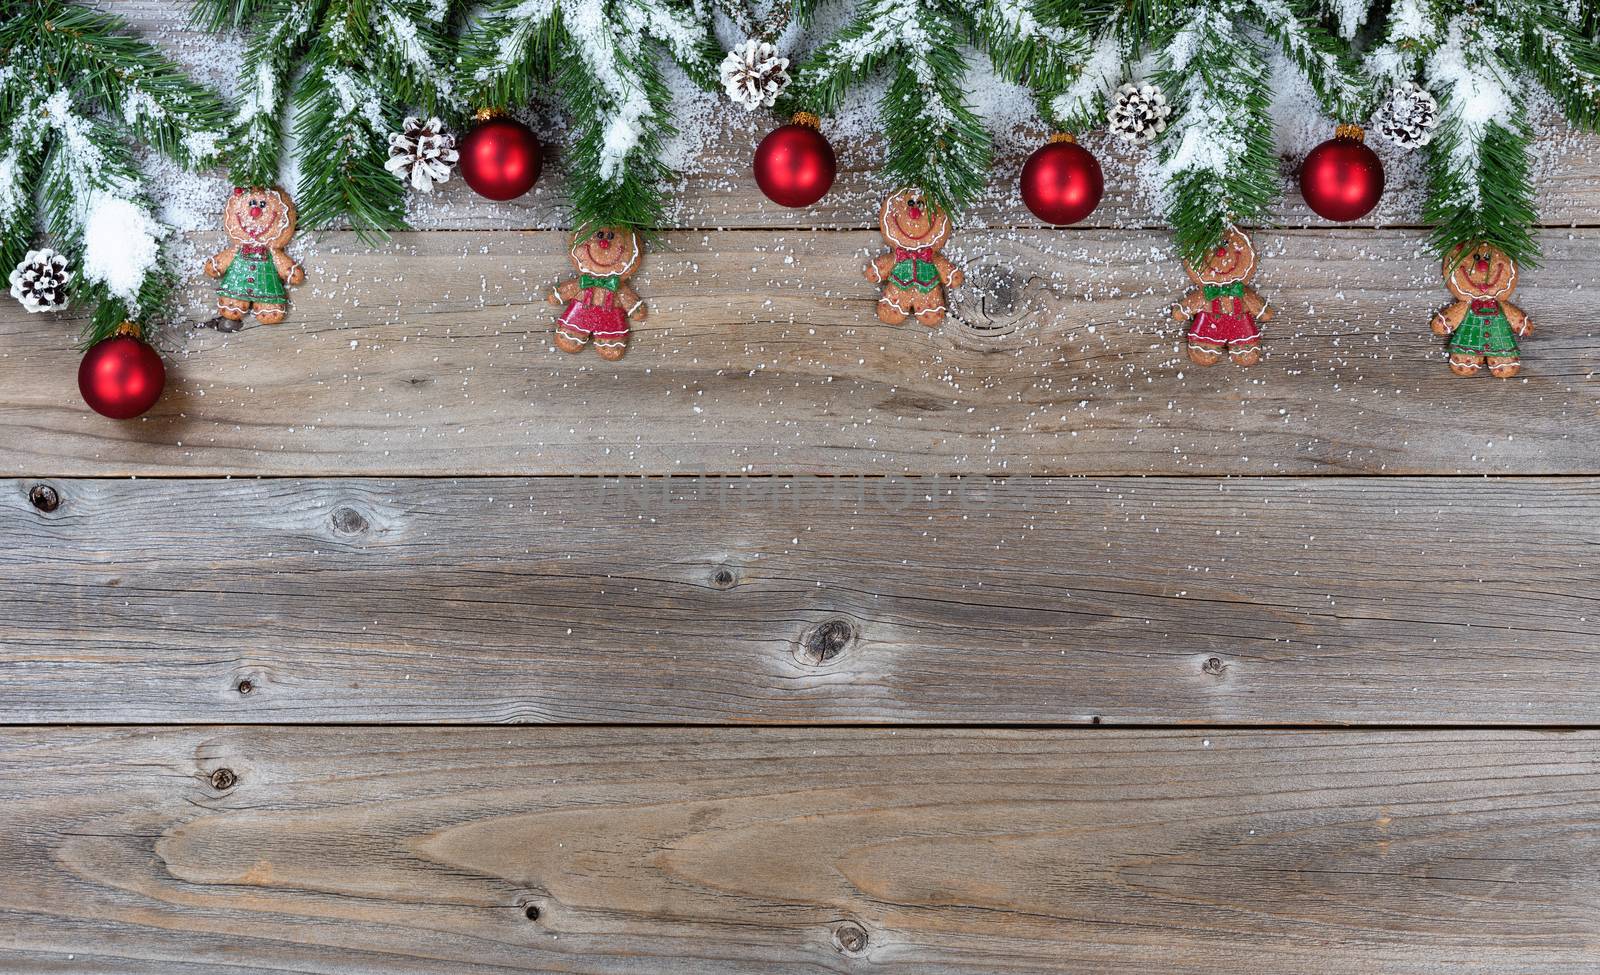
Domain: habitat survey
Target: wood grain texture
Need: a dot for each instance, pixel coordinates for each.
(717, 189)
(813, 600)
(762, 355)
(731, 851)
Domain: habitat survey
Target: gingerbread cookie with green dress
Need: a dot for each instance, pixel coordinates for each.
(914, 274)
(255, 267)
(1482, 323)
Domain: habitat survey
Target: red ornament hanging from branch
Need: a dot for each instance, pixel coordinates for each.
(121, 376)
(1342, 179)
(1062, 182)
(500, 157)
(795, 165)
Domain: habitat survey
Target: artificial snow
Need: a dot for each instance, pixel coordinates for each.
(121, 245)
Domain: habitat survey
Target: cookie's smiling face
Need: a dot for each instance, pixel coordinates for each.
(609, 250)
(1233, 260)
(1480, 270)
(908, 220)
(259, 215)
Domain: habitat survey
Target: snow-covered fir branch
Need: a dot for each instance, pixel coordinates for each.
(602, 56)
(75, 87)
(1215, 164)
(935, 140)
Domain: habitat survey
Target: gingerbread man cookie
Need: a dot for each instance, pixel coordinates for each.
(600, 301)
(254, 267)
(1483, 325)
(1223, 311)
(914, 274)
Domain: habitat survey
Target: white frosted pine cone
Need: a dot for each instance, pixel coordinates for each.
(754, 75)
(40, 281)
(1409, 116)
(1138, 113)
(422, 153)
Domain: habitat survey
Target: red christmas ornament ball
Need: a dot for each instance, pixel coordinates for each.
(121, 376)
(795, 165)
(1342, 179)
(501, 158)
(1062, 182)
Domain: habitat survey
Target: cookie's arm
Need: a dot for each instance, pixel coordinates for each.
(1448, 319)
(1258, 306)
(1517, 318)
(879, 267)
(948, 272)
(563, 292)
(217, 264)
(289, 270)
(632, 304)
(1190, 306)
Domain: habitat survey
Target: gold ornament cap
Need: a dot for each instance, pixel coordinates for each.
(810, 120)
(129, 328)
(485, 114)
(1350, 131)
(1063, 137)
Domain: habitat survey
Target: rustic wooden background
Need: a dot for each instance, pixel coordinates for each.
(395, 640)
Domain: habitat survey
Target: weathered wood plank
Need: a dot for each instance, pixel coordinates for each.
(709, 851)
(812, 600)
(717, 189)
(763, 355)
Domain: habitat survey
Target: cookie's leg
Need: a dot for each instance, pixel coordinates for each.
(1465, 363)
(931, 308)
(892, 308)
(1504, 366)
(1245, 355)
(1204, 353)
(569, 337)
(269, 314)
(232, 308)
(611, 345)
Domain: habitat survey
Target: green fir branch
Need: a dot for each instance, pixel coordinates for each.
(599, 56)
(74, 82)
(935, 140)
(1216, 159)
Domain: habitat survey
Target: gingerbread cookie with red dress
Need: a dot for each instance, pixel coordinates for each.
(600, 301)
(1224, 310)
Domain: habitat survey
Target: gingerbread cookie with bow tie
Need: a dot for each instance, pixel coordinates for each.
(914, 274)
(255, 267)
(1482, 323)
(600, 301)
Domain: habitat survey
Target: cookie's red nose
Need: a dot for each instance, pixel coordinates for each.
(604, 244)
(255, 212)
(914, 213)
(1222, 252)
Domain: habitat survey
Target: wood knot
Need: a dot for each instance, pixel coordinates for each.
(824, 642)
(223, 779)
(531, 912)
(245, 686)
(44, 497)
(724, 578)
(348, 521)
(850, 938)
(1213, 666)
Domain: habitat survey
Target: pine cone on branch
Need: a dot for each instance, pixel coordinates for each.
(754, 75)
(1138, 114)
(422, 153)
(40, 281)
